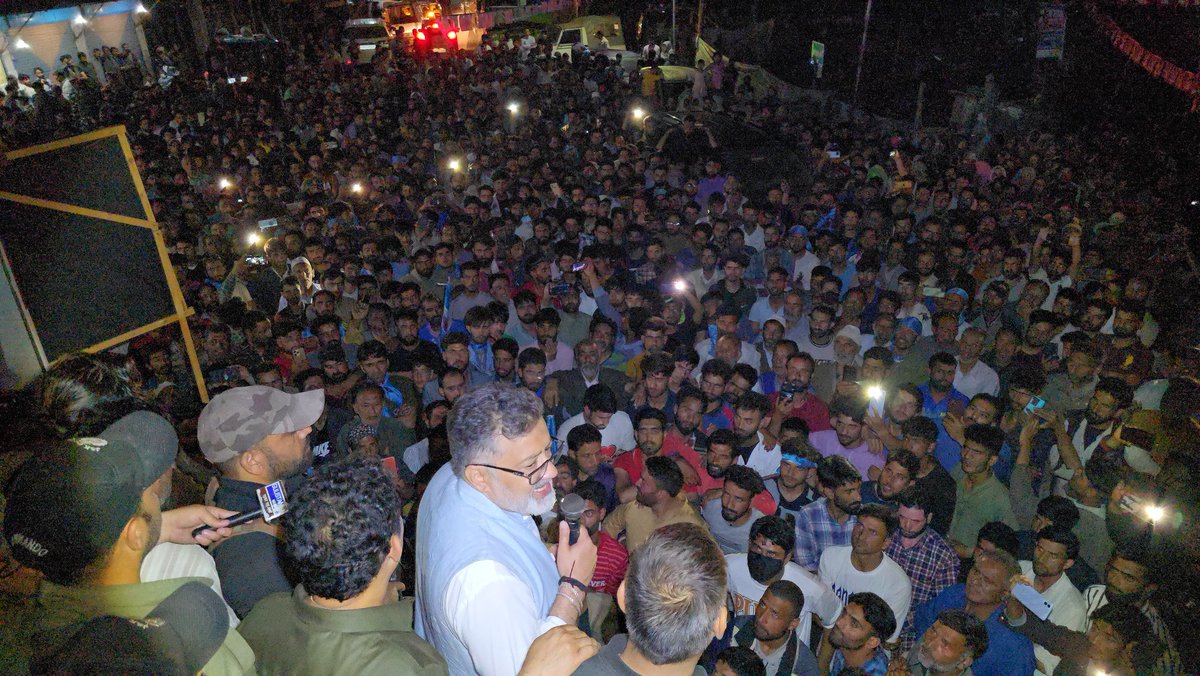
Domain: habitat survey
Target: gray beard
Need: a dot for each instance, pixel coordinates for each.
(590, 372)
(927, 662)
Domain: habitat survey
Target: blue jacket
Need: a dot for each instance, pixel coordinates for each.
(1008, 653)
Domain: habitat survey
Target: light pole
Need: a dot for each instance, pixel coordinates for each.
(862, 52)
(673, 43)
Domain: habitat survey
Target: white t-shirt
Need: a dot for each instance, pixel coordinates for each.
(617, 436)
(888, 581)
(168, 561)
(763, 460)
(1068, 610)
(819, 599)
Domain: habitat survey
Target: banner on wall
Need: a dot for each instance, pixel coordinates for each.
(1159, 68)
(1052, 30)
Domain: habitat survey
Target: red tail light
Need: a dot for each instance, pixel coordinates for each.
(450, 35)
(421, 35)
(349, 62)
(433, 25)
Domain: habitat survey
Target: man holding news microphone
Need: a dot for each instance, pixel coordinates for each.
(486, 585)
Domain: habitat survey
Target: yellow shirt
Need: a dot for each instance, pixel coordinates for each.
(639, 521)
(650, 81)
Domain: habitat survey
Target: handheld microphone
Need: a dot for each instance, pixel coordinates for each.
(572, 507)
(244, 517)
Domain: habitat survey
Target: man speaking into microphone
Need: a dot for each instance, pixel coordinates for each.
(486, 585)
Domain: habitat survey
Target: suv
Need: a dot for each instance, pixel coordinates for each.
(363, 38)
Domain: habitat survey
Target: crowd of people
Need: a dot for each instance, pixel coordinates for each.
(916, 411)
(78, 92)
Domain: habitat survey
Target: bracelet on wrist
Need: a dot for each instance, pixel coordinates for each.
(566, 579)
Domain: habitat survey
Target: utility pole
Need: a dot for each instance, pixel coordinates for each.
(673, 39)
(862, 52)
(699, 25)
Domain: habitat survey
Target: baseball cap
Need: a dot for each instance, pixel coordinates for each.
(239, 418)
(68, 505)
(798, 230)
(911, 323)
(179, 636)
(958, 292)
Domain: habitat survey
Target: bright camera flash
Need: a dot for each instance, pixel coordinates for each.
(1155, 513)
(875, 392)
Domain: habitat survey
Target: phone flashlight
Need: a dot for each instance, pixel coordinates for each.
(680, 285)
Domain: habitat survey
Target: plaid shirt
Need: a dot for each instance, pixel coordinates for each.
(932, 565)
(816, 530)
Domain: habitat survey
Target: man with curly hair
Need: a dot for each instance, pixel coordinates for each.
(343, 538)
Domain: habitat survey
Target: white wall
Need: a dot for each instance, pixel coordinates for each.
(19, 362)
(48, 41)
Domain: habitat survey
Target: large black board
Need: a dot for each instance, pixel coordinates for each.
(83, 280)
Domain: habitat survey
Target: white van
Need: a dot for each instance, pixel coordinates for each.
(363, 38)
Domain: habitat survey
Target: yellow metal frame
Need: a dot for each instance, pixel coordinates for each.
(182, 311)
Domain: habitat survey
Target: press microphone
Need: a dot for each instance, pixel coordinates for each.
(572, 507)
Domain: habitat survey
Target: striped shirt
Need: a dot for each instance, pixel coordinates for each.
(816, 530)
(1169, 662)
(611, 562)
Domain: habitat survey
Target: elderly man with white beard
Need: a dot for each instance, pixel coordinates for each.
(486, 585)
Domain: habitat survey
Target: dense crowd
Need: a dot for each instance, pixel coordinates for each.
(867, 419)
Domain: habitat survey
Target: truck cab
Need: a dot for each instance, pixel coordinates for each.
(402, 17)
(598, 35)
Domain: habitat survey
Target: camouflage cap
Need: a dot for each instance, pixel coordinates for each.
(239, 418)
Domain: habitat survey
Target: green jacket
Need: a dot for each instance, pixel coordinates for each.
(59, 606)
(290, 636)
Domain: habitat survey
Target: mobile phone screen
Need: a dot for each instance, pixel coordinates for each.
(1035, 403)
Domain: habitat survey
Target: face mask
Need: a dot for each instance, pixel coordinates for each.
(762, 567)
